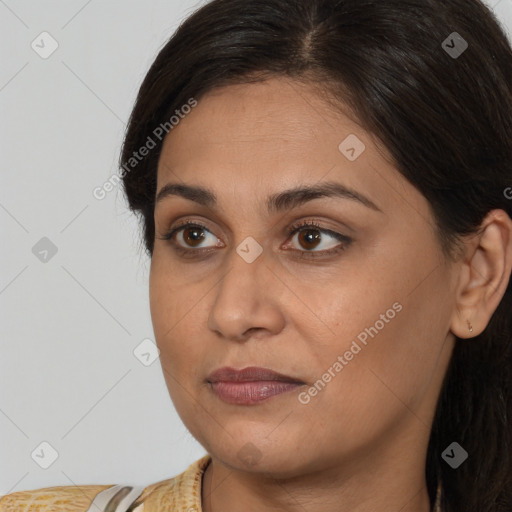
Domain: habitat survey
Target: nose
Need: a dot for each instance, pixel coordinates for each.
(247, 300)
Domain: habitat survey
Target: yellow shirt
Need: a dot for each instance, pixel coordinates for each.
(179, 494)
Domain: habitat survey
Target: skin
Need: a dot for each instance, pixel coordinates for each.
(360, 444)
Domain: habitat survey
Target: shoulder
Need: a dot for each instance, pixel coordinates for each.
(56, 499)
(182, 492)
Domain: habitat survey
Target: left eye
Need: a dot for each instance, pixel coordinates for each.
(310, 236)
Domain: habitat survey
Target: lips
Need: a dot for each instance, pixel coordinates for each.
(251, 385)
(249, 374)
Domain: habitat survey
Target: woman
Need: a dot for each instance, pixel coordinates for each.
(325, 190)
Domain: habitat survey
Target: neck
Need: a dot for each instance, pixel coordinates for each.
(385, 482)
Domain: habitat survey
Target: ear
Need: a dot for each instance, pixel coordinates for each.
(484, 275)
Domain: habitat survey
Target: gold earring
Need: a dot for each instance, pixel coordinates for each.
(470, 327)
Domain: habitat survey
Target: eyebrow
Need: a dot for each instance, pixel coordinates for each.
(281, 201)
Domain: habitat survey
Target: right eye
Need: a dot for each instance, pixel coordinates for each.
(191, 234)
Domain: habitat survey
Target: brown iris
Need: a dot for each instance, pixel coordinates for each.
(197, 235)
(309, 236)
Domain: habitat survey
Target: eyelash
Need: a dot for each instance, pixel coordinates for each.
(291, 231)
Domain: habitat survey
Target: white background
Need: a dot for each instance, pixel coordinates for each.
(68, 327)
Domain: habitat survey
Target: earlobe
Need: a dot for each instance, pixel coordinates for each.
(463, 329)
(484, 275)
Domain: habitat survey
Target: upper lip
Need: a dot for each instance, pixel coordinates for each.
(249, 374)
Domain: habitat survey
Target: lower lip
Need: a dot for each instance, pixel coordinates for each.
(247, 393)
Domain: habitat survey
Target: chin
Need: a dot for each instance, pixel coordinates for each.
(277, 459)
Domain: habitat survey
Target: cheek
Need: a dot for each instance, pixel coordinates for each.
(175, 340)
(169, 304)
(371, 390)
(175, 307)
(388, 322)
(414, 350)
(390, 344)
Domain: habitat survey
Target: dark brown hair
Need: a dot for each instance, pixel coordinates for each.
(447, 122)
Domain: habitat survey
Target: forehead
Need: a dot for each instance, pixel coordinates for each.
(279, 114)
(268, 136)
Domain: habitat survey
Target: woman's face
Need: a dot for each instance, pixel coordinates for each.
(357, 307)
